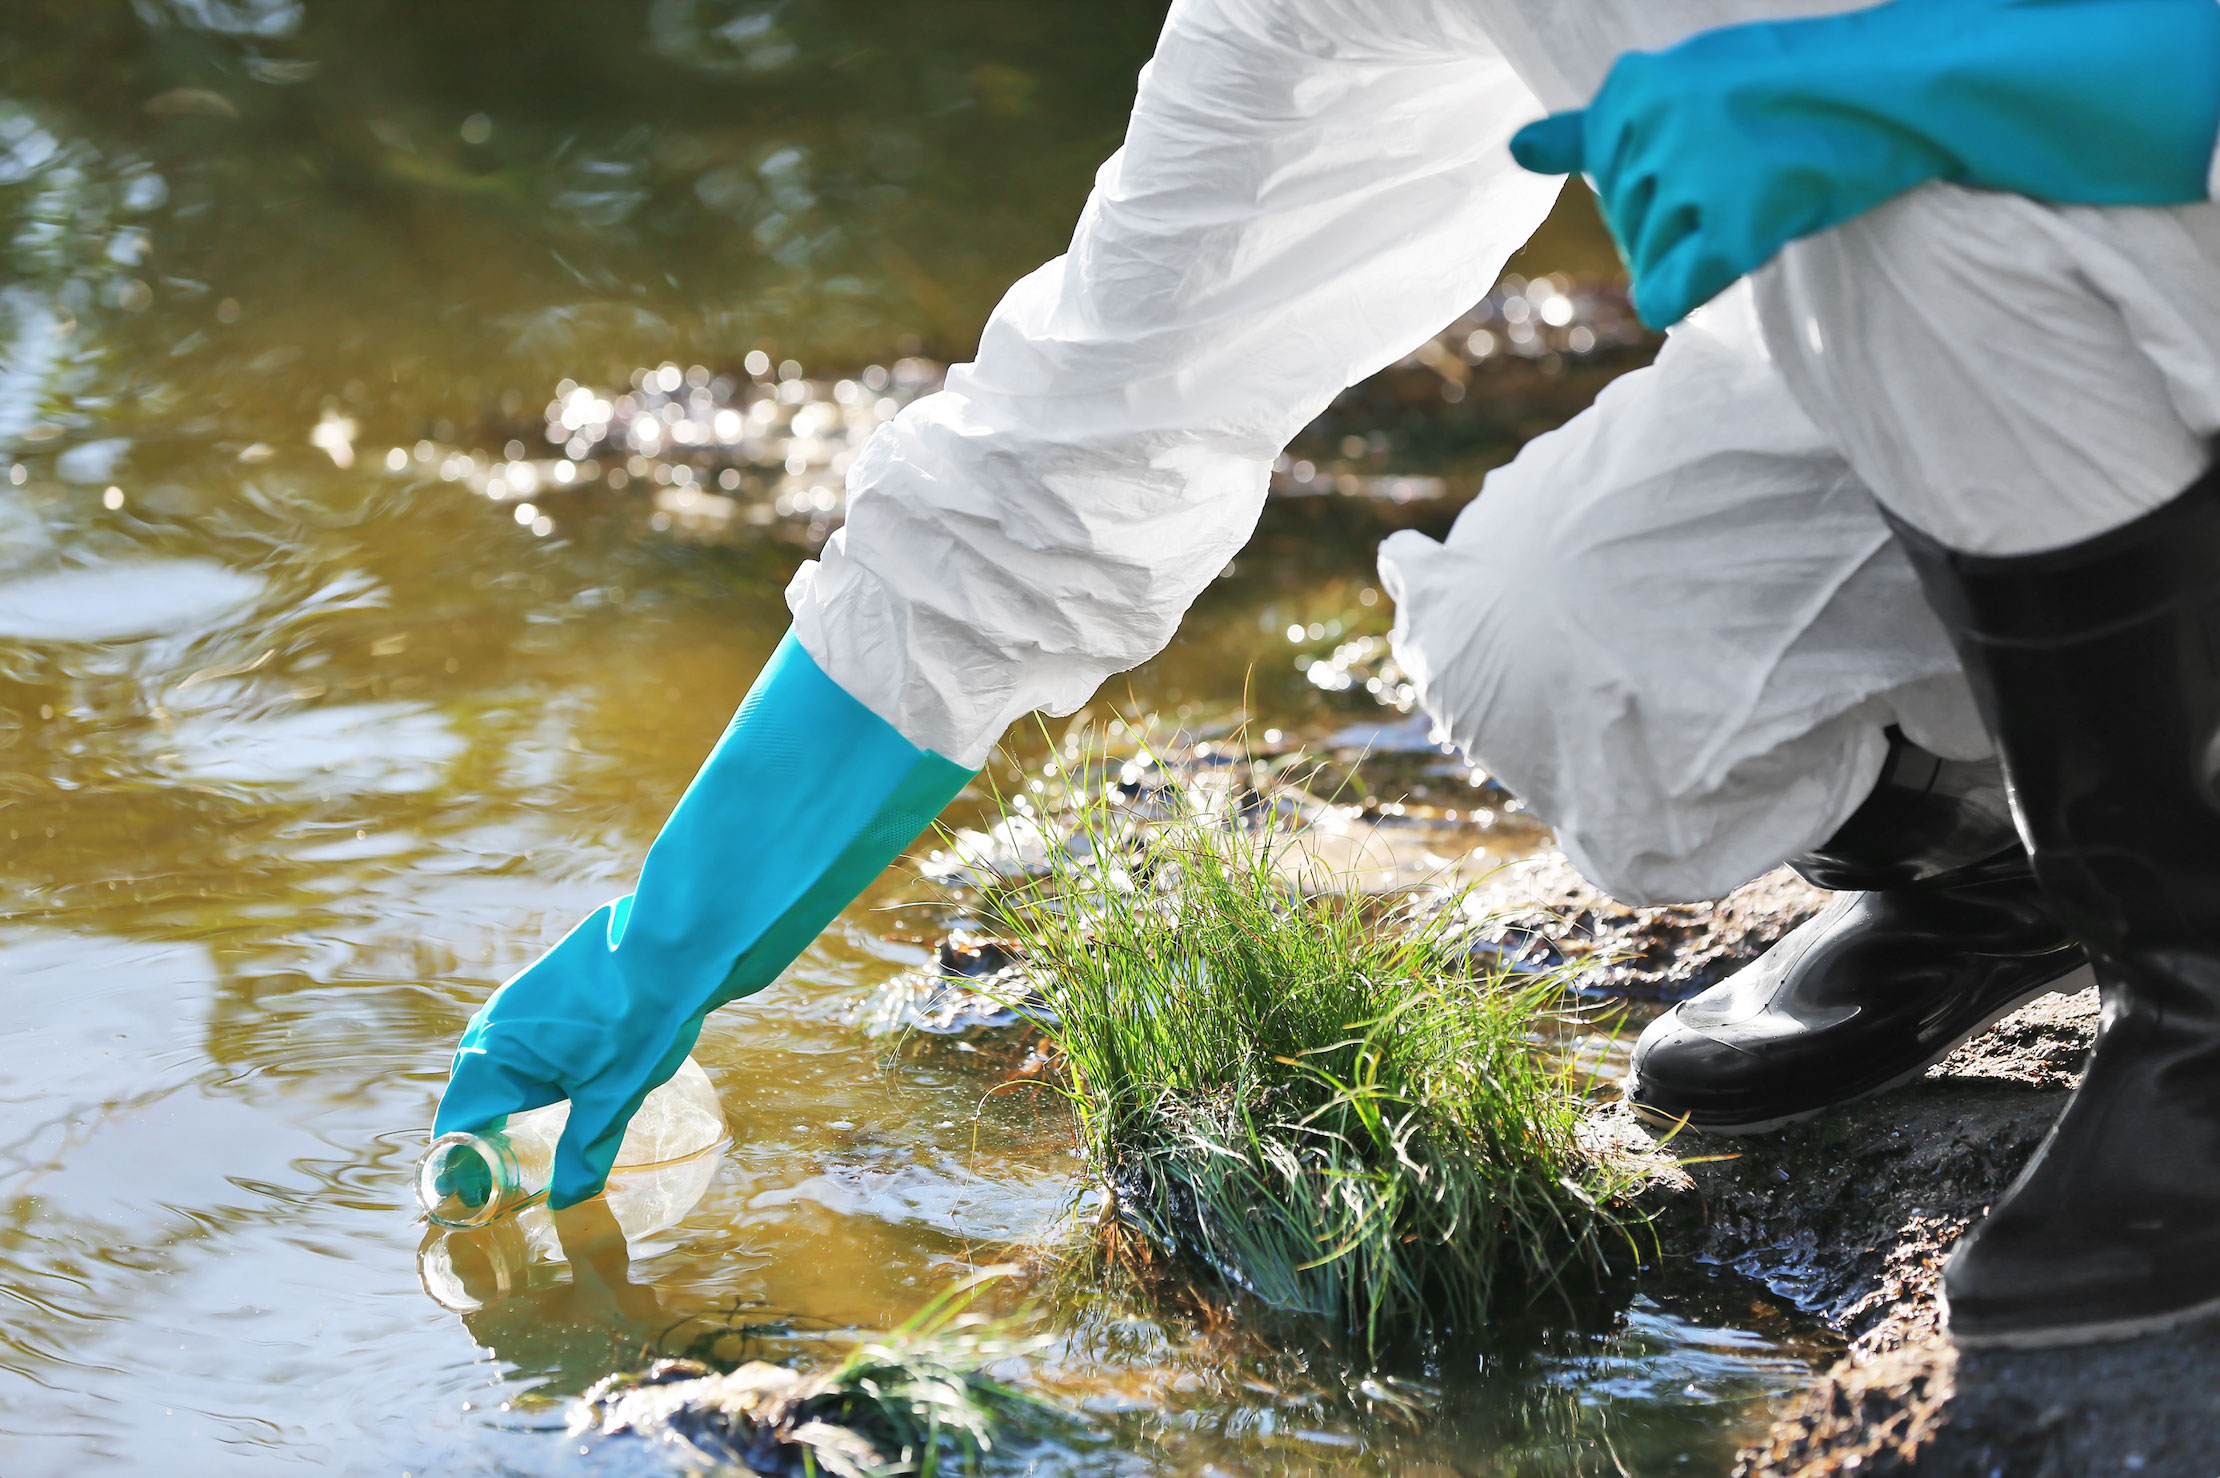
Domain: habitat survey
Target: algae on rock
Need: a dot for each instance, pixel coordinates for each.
(923, 1399)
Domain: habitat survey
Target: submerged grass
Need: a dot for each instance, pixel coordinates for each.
(1309, 1090)
(924, 1399)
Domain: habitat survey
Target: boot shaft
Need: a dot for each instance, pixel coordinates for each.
(1928, 820)
(2097, 669)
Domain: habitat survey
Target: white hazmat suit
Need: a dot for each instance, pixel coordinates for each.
(1676, 626)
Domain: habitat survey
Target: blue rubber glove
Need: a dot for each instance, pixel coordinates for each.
(1711, 156)
(804, 801)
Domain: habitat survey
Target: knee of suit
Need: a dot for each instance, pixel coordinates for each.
(2006, 376)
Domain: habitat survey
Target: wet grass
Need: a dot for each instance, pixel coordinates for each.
(1309, 1091)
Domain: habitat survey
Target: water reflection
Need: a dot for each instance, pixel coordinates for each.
(553, 1294)
(567, 1313)
(122, 601)
(1606, 1389)
(264, 19)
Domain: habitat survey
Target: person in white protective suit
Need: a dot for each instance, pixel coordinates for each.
(1911, 516)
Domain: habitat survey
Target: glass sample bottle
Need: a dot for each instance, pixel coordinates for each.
(469, 1180)
(523, 1256)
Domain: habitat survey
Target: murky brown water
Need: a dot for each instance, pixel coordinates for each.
(306, 741)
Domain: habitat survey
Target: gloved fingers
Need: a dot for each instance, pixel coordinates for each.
(1696, 244)
(1686, 278)
(485, 1087)
(1621, 168)
(1661, 229)
(1552, 145)
(1640, 103)
(588, 1148)
(601, 1113)
(1628, 210)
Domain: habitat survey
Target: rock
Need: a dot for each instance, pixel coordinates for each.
(1538, 912)
(2039, 1046)
(919, 1399)
(975, 985)
(1868, 1419)
(2149, 1406)
(1851, 1216)
(760, 1417)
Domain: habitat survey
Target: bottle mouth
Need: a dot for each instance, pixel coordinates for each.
(468, 1180)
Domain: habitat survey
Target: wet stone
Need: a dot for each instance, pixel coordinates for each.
(2150, 1406)
(1851, 1217)
(1538, 913)
(760, 1418)
(975, 985)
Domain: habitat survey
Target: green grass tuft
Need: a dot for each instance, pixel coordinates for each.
(1309, 1090)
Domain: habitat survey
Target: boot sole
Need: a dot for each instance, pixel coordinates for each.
(2078, 979)
(2064, 1336)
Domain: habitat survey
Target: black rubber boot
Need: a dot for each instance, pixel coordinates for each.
(2097, 668)
(1940, 931)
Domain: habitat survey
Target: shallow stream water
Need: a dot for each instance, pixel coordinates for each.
(328, 699)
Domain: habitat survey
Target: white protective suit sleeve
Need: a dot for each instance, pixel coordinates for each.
(1308, 190)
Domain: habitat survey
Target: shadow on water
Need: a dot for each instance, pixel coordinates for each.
(303, 747)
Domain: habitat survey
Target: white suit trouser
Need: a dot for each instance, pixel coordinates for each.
(1677, 626)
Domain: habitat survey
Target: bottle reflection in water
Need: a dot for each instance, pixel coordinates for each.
(470, 1180)
(469, 1269)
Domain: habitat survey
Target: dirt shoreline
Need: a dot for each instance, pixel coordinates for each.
(1851, 1216)
(1848, 1217)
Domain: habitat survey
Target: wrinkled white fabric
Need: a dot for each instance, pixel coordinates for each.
(1563, 48)
(1677, 626)
(1673, 626)
(1308, 190)
(2005, 375)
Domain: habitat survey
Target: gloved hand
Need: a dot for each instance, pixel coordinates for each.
(1711, 156)
(805, 800)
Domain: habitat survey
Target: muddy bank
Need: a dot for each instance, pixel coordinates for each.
(1851, 1216)
(1538, 912)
